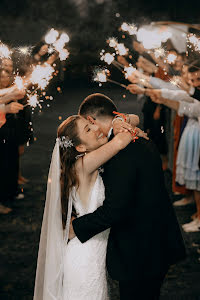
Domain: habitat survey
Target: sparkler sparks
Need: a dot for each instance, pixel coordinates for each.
(24, 50)
(130, 28)
(171, 58)
(175, 81)
(33, 101)
(107, 57)
(121, 49)
(19, 82)
(159, 52)
(41, 75)
(152, 37)
(128, 71)
(194, 41)
(51, 36)
(112, 42)
(100, 75)
(63, 54)
(5, 52)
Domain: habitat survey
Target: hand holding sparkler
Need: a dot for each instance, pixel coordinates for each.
(155, 95)
(13, 108)
(135, 89)
(146, 65)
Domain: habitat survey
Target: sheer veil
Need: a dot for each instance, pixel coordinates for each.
(53, 240)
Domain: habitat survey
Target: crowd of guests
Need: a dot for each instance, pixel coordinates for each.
(171, 109)
(16, 129)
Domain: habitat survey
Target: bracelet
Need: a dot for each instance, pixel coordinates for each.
(117, 118)
(120, 115)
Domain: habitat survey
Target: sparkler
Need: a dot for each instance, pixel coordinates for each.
(19, 82)
(159, 52)
(100, 75)
(171, 58)
(130, 28)
(194, 41)
(128, 71)
(41, 75)
(109, 59)
(51, 36)
(5, 52)
(26, 50)
(152, 37)
(175, 81)
(112, 42)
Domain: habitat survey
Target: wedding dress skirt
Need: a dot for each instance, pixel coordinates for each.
(85, 264)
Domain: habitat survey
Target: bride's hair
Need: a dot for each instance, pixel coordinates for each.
(68, 178)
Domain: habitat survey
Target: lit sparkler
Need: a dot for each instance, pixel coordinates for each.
(130, 28)
(108, 58)
(152, 37)
(101, 75)
(19, 82)
(121, 49)
(51, 36)
(63, 54)
(5, 52)
(26, 50)
(41, 75)
(112, 42)
(194, 41)
(128, 71)
(33, 101)
(175, 81)
(159, 52)
(171, 58)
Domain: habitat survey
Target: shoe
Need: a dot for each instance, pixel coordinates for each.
(183, 202)
(4, 210)
(20, 196)
(190, 223)
(194, 216)
(193, 227)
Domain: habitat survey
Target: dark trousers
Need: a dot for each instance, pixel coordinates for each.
(146, 289)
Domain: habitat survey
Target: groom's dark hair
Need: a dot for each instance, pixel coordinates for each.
(97, 105)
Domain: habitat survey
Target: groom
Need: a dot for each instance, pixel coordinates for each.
(145, 238)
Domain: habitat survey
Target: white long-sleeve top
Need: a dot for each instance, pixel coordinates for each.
(158, 83)
(191, 110)
(176, 95)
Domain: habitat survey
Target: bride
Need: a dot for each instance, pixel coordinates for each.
(70, 270)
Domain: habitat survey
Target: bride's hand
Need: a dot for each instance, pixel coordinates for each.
(120, 126)
(71, 229)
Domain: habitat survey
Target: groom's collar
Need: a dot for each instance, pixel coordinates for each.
(110, 134)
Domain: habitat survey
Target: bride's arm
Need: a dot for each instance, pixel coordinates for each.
(93, 160)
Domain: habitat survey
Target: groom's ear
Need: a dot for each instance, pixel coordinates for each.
(81, 148)
(91, 119)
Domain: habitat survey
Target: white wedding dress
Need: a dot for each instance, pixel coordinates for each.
(85, 264)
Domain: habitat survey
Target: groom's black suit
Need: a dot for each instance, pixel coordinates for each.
(145, 237)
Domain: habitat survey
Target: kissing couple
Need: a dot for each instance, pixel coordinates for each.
(107, 209)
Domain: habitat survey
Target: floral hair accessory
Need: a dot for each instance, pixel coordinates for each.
(65, 142)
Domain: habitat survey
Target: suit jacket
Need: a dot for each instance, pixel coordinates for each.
(145, 236)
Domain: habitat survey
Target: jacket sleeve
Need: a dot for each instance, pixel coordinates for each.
(119, 187)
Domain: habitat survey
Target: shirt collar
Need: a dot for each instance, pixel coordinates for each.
(110, 132)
